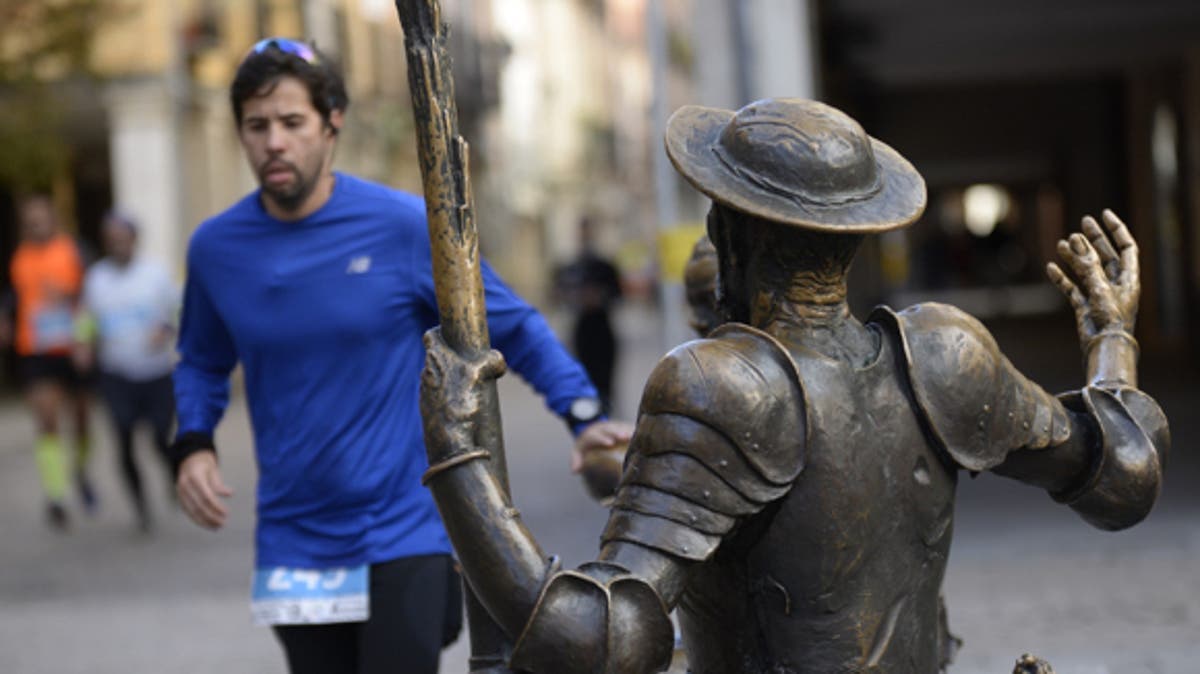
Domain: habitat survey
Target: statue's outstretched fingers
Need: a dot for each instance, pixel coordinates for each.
(1126, 246)
(1108, 254)
(1066, 286)
(1085, 264)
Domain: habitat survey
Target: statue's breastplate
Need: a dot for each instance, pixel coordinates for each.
(843, 573)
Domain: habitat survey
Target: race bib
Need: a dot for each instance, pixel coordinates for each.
(284, 595)
(53, 327)
(120, 323)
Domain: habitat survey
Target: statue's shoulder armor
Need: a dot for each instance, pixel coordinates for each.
(972, 399)
(721, 433)
(742, 383)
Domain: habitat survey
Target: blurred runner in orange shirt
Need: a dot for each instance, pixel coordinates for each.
(46, 274)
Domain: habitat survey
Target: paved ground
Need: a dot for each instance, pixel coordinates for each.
(1025, 575)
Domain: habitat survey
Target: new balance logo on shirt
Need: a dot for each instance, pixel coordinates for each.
(359, 265)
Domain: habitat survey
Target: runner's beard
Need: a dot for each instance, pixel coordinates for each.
(290, 197)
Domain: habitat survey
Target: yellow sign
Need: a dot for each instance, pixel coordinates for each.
(675, 247)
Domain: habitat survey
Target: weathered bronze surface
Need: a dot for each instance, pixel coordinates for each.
(444, 157)
(1029, 664)
(790, 485)
(700, 284)
(602, 469)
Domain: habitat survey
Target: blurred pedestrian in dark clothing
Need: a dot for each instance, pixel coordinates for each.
(590, 285)
(126, 328)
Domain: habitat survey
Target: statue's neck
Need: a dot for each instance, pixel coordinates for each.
(816, 315)
(807, 298)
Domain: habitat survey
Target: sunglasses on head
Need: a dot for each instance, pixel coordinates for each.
(296, 48)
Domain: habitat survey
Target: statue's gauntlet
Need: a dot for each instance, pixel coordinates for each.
(451, 402)
(597, 620)
(1111, 359)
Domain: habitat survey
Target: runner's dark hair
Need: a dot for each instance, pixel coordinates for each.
(260, 72)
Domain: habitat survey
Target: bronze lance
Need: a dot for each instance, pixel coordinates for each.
(450, 210)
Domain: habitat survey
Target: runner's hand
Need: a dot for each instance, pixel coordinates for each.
(599, 435)
(83, 355)
(201, 490)
(160, 339)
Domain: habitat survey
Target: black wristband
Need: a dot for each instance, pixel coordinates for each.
(188, 444)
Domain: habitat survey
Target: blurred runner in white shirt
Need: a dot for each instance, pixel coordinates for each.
(129, 309)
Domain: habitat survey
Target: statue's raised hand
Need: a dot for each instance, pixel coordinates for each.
(452, 397)
(1105, 265)
(1104, 296)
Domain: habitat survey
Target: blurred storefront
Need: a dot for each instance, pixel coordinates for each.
(1024, 116)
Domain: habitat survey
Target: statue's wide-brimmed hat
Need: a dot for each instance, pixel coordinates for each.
(796, 162)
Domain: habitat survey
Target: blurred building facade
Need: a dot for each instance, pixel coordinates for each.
(573, 134)
(553, 95)
(1022, 116)
(149, 129)
(174, 156)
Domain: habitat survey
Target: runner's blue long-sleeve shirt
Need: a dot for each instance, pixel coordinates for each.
(326, 316)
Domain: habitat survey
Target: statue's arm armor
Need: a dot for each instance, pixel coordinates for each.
(601, 619)
(707, 453)
(1099, 450)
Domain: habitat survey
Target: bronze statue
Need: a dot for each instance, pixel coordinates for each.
(700, 286)
(790, 485)
(602, 469)
(1029, 664)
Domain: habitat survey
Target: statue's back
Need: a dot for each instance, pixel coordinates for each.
(842, 574)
